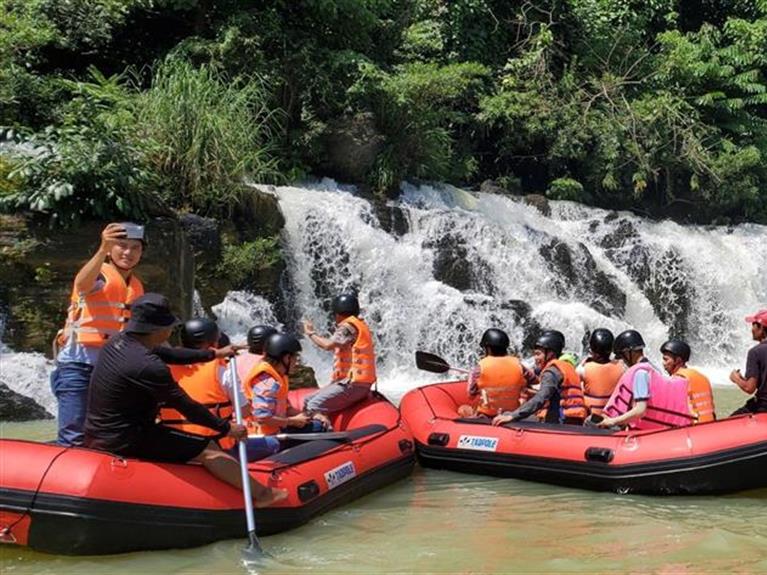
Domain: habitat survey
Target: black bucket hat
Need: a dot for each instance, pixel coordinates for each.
(150, 313)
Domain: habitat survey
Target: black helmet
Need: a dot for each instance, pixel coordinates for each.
(199, 332)
(257, 336)
(677, 348)
(346, 304)
(223, 340)
(280, 344)
(628, 340)
(601, 342)
(495, 339)
(551, 340)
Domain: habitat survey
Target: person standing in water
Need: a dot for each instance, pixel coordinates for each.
(354, 362)
(99, 307)
(676, 354)
(755, 380)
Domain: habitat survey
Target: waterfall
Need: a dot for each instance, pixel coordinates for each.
(458, 262)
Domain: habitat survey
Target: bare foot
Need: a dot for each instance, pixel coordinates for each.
(269, 496)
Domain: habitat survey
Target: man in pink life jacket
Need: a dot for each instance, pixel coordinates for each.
(643, 398)
(257, 336)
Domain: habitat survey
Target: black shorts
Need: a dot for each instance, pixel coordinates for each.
(170, 445)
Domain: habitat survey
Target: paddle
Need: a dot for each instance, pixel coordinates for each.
(434, 364)
(254, 551)
(334, 435)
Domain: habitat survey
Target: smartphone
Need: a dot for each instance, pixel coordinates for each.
(133, 231)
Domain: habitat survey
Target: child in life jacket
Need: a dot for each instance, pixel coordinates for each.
(497, 381)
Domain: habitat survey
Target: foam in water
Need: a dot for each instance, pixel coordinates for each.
(470, 261)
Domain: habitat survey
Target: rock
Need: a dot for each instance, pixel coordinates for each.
(257, 215)
(203, 236)
(303, 377)
(351, 145)
(457, 267)
(525, 320)
(16, 407)
(504, 186)
(577, 273)
(539, 202)
(663, 279)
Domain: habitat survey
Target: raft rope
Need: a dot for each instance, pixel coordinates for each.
(5, 531)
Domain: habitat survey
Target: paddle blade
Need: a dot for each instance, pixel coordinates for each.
(430, 362)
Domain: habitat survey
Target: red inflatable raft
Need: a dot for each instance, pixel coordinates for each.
(80, 501)
(717, 457)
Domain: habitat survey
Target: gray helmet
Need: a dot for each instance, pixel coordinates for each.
(346, 304)
(677, 348)
(496, 340)
(601, 342)
(281, 344)
(551, 340)
(257, 336)
(629, 340)
(199, 332)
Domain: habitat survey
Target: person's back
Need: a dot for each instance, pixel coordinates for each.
(120, 404)
(755, 379)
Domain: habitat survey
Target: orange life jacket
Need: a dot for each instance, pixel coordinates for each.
(699, 392)
(599, 381)
(357, 362)
(281, 407)
(571, 402)
(94, 317)
(500, 384)
(202, 382)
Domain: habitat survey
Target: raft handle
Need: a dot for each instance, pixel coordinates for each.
(440, 439)
(405, 445)
(601, 454)
(308, 490)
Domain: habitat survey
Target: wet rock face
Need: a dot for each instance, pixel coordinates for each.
(456, 266)
(539, 202)
(663, 279)
(528, 324)
(16, 407)
(577, 274)
(38, 266)
(351, 145)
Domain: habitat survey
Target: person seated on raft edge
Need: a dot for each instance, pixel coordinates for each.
(129, 383)
(207, 383)
(560, 398)
(267, 386)
(676, 354)
(643, 398)
(497, 380)
(599, 374)
(256, 339)
(755, 379)
(354, 363)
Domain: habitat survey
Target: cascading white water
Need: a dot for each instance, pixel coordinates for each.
(577, 269)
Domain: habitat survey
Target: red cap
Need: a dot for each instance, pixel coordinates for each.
(759, 317)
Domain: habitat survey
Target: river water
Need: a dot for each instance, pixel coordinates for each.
(445, 522)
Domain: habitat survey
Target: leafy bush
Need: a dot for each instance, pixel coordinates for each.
(208, 133)
(242, 262)
(565, 189)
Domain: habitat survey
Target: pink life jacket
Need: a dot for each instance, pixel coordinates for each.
(667, 405)
(246, 361)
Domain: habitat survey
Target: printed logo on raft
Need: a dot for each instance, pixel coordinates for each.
(477, 443)
(340, 474)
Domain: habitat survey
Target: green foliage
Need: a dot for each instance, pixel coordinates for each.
(243, 262)
(208, 133)
(565, 189)
(640, 104)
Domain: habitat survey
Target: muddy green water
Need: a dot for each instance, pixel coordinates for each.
(442, 522)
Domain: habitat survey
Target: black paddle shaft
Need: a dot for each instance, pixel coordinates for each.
(433, 363)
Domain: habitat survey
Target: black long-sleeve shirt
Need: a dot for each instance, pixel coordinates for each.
(127, 386)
